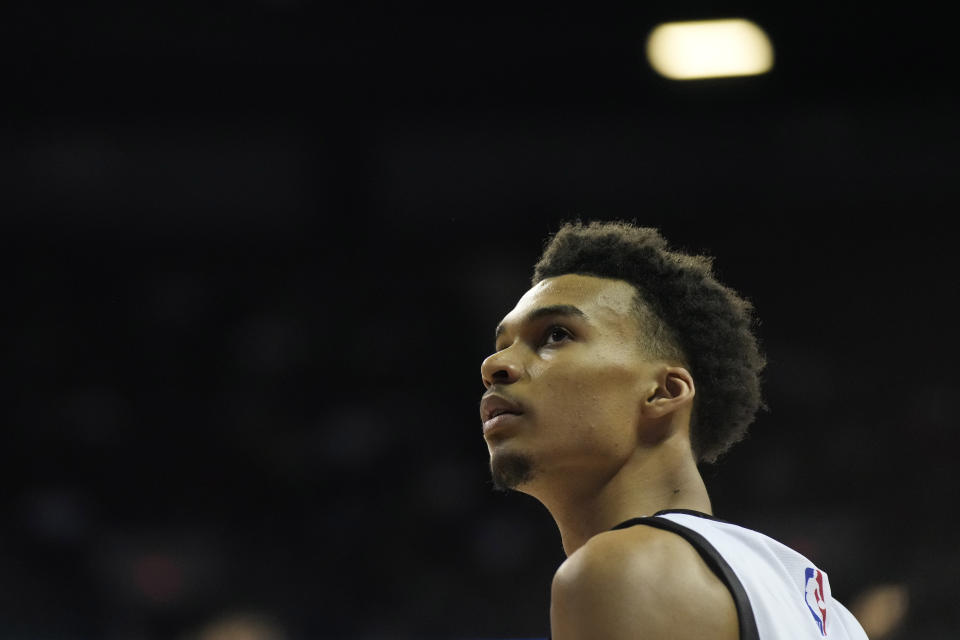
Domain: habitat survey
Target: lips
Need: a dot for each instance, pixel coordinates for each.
(494, 407)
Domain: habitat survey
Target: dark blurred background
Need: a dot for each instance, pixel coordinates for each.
(255, 251)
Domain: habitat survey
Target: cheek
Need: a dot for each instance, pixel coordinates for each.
(602, 396)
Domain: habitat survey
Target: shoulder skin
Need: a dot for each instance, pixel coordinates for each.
(639, 582)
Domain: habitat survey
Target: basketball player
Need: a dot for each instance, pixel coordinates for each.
(623, 366)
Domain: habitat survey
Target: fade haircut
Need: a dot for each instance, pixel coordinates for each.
(686, 317)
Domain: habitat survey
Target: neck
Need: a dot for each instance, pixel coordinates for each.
(651, 480)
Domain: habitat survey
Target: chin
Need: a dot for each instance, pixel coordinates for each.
(511, 470)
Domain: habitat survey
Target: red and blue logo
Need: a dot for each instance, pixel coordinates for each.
(816, 591)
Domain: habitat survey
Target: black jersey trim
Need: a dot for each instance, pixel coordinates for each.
(747, 621)
(691, 512)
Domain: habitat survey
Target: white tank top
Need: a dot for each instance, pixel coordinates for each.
(779, 594)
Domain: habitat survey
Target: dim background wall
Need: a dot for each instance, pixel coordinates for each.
(254, 253)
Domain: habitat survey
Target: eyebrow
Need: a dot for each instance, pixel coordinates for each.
(553, 310)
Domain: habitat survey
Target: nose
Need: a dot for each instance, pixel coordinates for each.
(499, 368)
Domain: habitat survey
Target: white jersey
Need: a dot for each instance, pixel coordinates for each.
(779, 594)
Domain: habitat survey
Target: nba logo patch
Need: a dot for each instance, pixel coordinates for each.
(816, 591)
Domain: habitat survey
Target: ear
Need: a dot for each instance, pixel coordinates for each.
(674, 391)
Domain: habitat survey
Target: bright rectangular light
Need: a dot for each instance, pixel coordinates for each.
(709, 49)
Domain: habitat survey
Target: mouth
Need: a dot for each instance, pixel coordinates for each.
(497, 411)
(499, 421)
(500, 412)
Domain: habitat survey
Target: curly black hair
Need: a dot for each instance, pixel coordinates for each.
(687, 317)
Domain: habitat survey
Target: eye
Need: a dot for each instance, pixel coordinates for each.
(556, 334)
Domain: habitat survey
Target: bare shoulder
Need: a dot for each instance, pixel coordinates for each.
(639, 582)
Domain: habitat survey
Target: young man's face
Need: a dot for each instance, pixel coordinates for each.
(570, 373)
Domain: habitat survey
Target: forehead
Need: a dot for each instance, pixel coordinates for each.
(602, 300)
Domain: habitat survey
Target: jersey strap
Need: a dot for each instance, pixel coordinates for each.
(747, 622)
